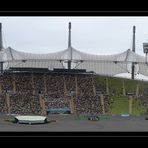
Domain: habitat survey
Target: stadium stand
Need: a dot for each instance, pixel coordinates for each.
(24, 89)
(39, 83)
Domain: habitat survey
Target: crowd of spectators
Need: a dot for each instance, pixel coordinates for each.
(143, 95)
(23, 83)
(28, 86)
(38, 83)
(3, 106)
(6, 82)
(24, 103)
(55, 85)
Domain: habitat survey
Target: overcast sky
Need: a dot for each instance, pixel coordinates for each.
(96, 35)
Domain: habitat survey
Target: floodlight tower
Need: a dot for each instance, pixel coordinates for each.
(133, 49)
(69, 46)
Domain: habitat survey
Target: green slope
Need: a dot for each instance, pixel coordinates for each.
(118, 103)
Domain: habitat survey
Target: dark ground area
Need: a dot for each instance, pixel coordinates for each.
(70, 123)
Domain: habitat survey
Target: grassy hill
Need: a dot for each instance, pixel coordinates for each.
(118, 102)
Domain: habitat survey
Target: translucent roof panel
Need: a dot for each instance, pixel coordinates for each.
(101, 64)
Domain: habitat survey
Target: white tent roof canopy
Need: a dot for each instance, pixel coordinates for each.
(10, 54)
(101, 64)
(110, 65)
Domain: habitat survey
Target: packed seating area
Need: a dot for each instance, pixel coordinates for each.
(23, 83)
(6, 82)
(24, 103)
(55, 85)
(143, 95)
(24, 90)
(38, 83)
(3, 107)
(86, 102)
(56, 102)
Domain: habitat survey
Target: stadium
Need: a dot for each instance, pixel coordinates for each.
(73, 88)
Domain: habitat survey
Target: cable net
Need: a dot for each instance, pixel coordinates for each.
(100, 64)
